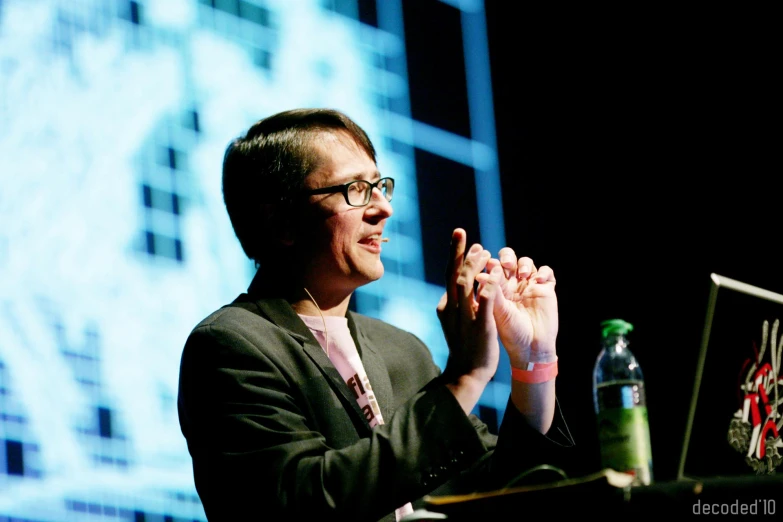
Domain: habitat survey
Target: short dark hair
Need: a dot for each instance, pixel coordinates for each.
(270, 163)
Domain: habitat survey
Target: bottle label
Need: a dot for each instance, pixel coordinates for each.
(624, 439)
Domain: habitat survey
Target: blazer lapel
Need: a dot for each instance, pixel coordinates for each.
(375, 366)
(279, 311)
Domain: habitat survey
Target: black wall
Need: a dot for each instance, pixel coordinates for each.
(639, 153)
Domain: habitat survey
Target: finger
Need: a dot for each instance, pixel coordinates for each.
(475, 261)
(491, 264)
(481, 277)
(508, 283)
(501, 297)
(525, 268)
(484, 277)
(456, 258)
(508, 260)
(442, 303)
(488, 294)
(545, 274)
(447, 320)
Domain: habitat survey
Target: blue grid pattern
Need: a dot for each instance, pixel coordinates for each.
(117, 242)
(19, 450)
(99, 426)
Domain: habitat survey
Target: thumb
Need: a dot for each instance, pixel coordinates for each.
(489, 295)
(442, 303)
(503, 308)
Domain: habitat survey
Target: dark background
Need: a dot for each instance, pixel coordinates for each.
(638, 152)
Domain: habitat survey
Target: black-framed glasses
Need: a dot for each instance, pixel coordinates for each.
(358, 193)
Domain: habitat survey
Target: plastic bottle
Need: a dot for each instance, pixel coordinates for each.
(621, 406)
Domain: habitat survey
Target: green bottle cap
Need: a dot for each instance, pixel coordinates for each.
(616, 327)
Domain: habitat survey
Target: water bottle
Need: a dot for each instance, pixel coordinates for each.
(621, 406)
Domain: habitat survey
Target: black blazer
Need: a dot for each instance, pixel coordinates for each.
(275, 433)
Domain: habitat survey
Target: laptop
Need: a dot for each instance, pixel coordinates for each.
(735, 421)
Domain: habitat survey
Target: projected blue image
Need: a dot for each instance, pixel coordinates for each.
(114, 241)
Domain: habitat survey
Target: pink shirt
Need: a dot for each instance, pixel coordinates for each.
(341, 350)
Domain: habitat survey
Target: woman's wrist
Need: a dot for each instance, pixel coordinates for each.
(535, 373)
(522, 359)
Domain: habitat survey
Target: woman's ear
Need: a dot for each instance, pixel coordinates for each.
(278, 223)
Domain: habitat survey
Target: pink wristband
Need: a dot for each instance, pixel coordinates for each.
(535, 373)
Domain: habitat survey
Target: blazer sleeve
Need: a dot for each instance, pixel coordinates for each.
(258, 454)
(519, 455)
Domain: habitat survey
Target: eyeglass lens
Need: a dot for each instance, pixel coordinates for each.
(360, 191)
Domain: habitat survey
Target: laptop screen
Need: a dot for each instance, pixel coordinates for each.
(734, 422)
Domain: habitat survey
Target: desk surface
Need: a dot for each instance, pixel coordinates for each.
(756, 496)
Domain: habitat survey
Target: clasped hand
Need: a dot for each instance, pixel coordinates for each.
(488, 299)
